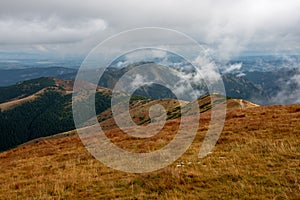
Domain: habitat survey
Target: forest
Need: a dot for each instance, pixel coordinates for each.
(49, 114)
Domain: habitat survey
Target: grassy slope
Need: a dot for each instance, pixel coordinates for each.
(257, 157)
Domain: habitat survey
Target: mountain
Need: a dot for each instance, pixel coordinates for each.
(43, 107)
(235, 86)
(38, 108)
(253, 159)
(242, 87)
(257, 86)
(274, 82)
(43, 158)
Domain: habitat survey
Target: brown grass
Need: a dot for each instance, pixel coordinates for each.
(257, 157)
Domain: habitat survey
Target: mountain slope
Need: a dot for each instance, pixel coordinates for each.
(43, 107)
(253, 159)
(46, 112)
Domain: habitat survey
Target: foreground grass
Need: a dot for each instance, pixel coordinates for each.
(257, 157)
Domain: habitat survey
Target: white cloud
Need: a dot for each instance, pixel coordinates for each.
(206, 69)
(233, 67)
(287, 95)
(143, 54)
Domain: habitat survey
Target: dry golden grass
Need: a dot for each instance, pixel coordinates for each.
(139, 111)
(257, 157)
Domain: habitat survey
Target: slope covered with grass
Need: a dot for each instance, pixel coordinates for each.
(256, 157)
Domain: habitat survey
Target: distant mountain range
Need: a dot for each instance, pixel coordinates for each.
(12, 76)
(256, 86)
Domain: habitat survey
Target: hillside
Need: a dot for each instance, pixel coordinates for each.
(140, 106)
(253, 159)
(43, 107)
(38, 108)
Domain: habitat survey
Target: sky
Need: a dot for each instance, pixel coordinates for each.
(72, 28)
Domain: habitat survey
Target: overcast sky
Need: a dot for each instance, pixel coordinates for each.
(230, 28)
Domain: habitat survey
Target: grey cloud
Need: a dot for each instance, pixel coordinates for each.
(51, 30)
(230, 27)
